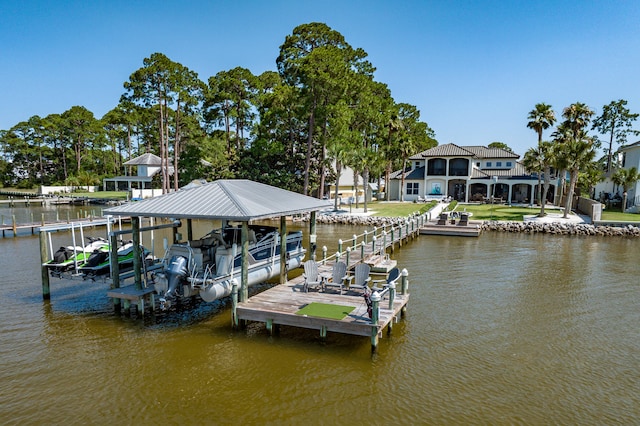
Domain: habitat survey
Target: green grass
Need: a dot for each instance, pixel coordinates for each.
(113, 195)
(617, 215)
(325, 310)
(398, 209)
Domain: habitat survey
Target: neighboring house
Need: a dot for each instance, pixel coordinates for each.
(147, 165)
(631, 158)
(467, 174)
(346, 187)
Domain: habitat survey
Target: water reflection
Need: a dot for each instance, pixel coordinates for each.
(501, 329)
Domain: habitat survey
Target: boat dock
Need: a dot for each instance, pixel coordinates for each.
(448, 225)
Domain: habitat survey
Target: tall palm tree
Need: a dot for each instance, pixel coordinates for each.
(540, 160)
(625, 178)
(574, 153)
(541, 118)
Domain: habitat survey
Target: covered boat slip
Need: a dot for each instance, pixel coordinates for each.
(232, 201)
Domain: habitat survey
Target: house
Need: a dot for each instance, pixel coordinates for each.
(347, 187)
(466, 174)
(147, 165)
(631, 158)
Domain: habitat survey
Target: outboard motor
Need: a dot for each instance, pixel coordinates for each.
(176, 273)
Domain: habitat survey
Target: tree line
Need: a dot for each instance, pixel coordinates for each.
(295, 128)
(573, 150)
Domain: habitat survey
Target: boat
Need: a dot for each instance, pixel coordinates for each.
(207, 267)
(98, 263)
(70, 257)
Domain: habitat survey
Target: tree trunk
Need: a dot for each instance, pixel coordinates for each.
(307, 164)
(547, 171)
(572, 182)
(365, 184)
(176, 148)
(338, 173)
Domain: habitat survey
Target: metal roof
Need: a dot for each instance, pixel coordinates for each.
(233, 199)
(147, 159)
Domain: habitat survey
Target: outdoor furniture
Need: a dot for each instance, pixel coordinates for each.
(442, 220)
(464, 219)
(311, 276)
(338, 276)
(391, 278)
(360, 277)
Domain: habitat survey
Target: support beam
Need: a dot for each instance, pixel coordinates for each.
(283, 250)
(312, 236)
(137, 254)
(244, 276)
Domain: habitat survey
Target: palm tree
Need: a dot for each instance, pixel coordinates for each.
(540, 160)
(575, 153)
(625, 178)
(540, 118)
(532, 162)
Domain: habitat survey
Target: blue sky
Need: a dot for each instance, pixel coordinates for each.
(473, 68)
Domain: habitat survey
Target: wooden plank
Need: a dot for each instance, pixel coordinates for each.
(130, 292)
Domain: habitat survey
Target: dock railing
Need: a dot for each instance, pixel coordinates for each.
(376, 241)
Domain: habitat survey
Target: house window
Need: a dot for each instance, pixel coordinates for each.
(498, 163)
(416, 165)
(437, 167)
(458, 167)
(488, 163)
(478, 165)
(412, 188)
(509, 164)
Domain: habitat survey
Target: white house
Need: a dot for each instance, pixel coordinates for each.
(467, 174)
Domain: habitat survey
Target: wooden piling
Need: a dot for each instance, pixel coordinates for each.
(46, 292)
(283, 250)
(375, 315)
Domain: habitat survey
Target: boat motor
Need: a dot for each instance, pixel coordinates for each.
(176, 274)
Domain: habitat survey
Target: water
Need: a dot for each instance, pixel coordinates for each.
(502, 329)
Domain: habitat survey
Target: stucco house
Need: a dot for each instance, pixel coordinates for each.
(628, 157)
(467, 174)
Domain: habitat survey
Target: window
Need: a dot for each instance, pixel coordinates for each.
(437, 167)
(412, 188)
(458, 167)
(509, 164)
(478, 165)
(498, 163)
(488, 163)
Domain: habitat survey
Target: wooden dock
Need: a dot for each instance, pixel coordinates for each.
(471, 230)
(281, 304)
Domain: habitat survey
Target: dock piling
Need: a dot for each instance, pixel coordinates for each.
(46, 291)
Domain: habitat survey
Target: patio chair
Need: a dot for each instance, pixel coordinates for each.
(338, 276)
(360, 277)
(311, 276)
(391, 278)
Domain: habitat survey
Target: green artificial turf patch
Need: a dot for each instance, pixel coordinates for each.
(325, 310)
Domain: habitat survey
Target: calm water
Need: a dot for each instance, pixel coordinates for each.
(503, 329)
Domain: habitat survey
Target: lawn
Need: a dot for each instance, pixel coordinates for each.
(617, 215)
(397, 209)
(496, 211)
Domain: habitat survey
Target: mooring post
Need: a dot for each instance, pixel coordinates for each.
(384, 242)
(14, 226)
(324, 254)
(348, 256)
(393, 243)
(364, 237)
(137, 254)
(46, 293)
(340, 246)
(234, 303)
(355, 241)
(362, 247)
(404, 288)
(373, 244)
(323, 332)
(283, 250)
(375, 316)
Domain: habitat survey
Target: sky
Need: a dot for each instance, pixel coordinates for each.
(474, 69)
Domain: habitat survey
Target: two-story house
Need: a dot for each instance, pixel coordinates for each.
(466, 174)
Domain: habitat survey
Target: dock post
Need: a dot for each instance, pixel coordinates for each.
(400, 235)
(312, 235)
(355, 241)
(373, 244)
(393, 241)
(340, 246)
(283, 250)
(362, 247)
(348, 256)
(244, 278)
(324, 254)
(234, 303)
(392, 296)
(404, 288)
(137, 264)
(384, 241)
(115, 269)
(46, 292)
(365, 239)
(14, 226)
(375, 315)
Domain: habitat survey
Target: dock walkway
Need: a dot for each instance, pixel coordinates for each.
(280, 305)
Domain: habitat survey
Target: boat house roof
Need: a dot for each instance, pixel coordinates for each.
(233, 199)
